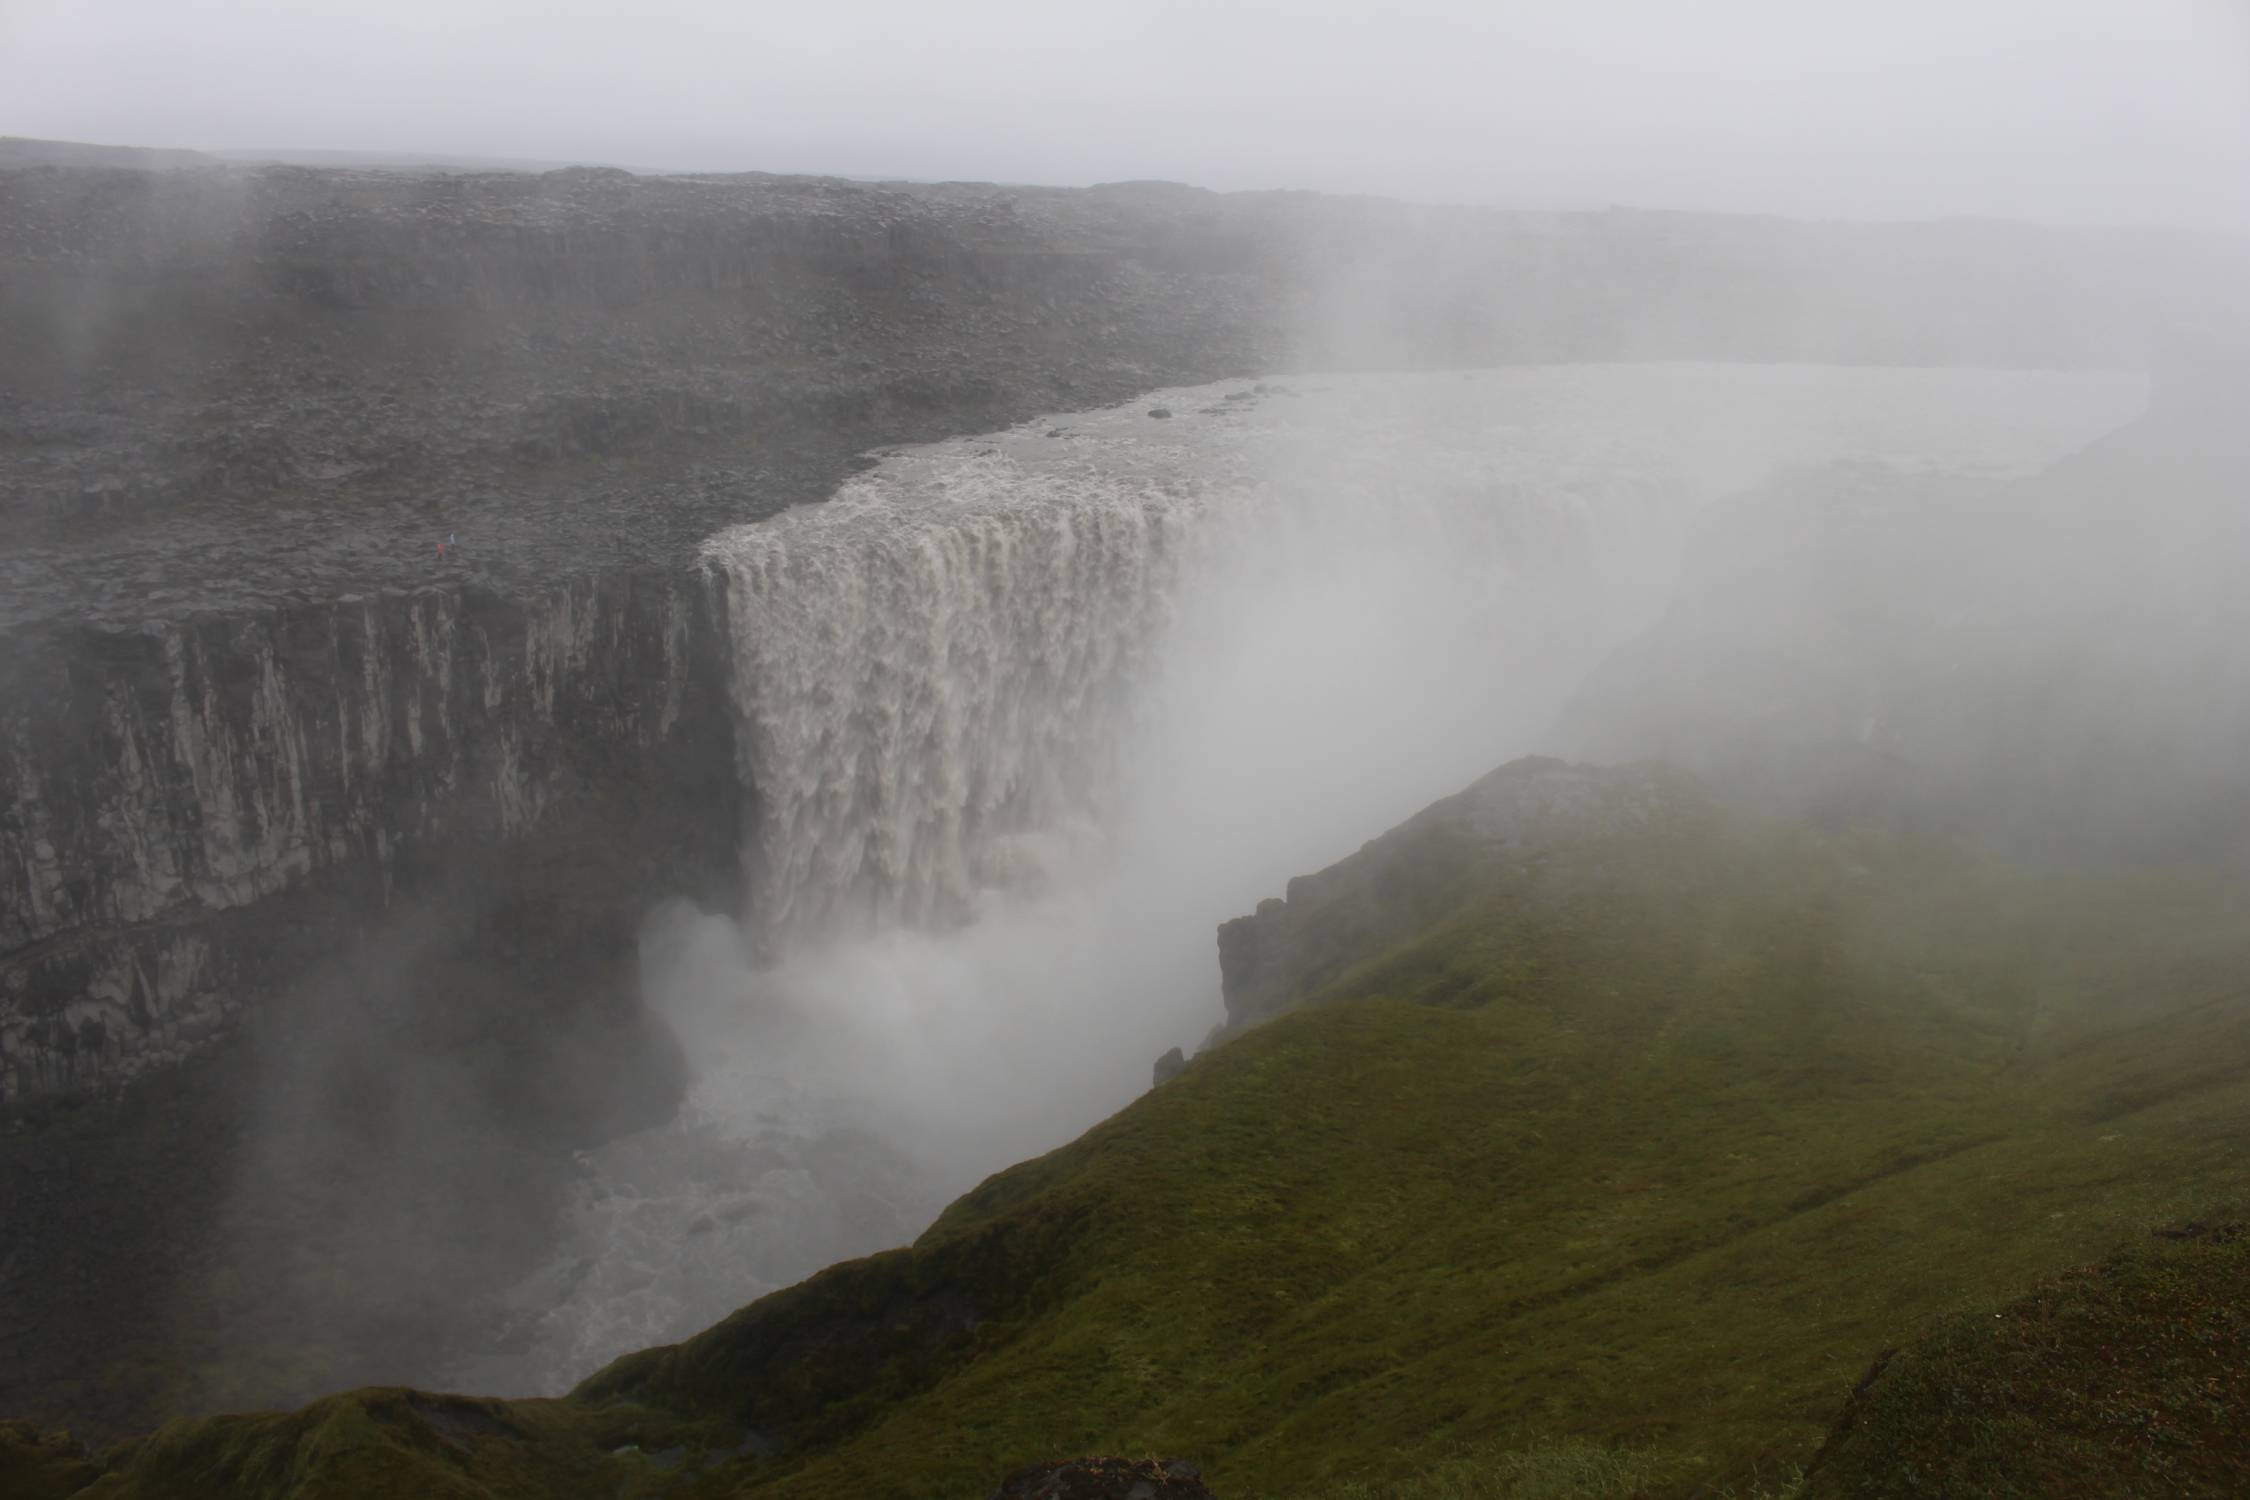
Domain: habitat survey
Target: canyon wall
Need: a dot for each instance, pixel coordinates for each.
(250, 710)
(251, 713)
(200, 810)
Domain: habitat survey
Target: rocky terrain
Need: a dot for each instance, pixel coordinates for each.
(242, 411)
(284, 778)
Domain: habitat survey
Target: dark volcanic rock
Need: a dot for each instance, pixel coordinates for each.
(241, 409)
(200, 810)
(1170, 1066)
(1105, 1479)
(268, 751)
(247, 702)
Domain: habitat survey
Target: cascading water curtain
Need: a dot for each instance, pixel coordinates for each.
(920, 688)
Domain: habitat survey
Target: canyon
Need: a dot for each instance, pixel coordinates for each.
(406, 579)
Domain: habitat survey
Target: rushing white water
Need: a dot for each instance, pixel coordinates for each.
(936, 674)
(1027, 715)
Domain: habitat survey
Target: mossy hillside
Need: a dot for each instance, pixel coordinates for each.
(1647, 1141)
(2128, 1378)
(1436, 863)
(1697, 1112)
(1368, 1296)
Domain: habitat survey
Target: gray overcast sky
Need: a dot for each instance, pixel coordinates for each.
(2073, 110)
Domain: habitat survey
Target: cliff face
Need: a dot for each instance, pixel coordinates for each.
(198, 809)
(247, 704)
(244, 697)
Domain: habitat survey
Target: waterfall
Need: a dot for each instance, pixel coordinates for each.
(1211, 651)
(939, 674)
(935, 678)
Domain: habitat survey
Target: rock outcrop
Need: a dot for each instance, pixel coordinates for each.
(200, 811)
(344, 510)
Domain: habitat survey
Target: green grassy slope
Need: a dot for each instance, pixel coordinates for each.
(2127, 1378)
(1642, 1125)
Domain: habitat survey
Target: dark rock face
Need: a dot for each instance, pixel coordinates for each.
(348, 519)
(269, 756)
(248, 703)
(263, 745)
(1170, 1066)
(1244, 943)
(200, 810)
(1105, 1479)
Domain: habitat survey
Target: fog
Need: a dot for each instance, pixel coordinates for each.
(2071, 111)
(1022, 716)
(1372, 589)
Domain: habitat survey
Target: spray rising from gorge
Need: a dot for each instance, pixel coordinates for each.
(1023, 716)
